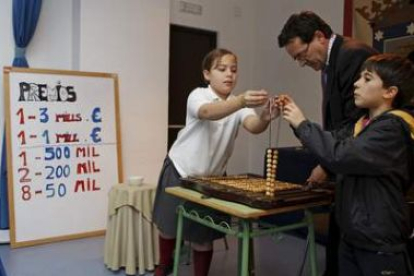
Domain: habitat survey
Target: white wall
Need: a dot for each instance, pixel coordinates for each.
(130, 39)
(6, 52)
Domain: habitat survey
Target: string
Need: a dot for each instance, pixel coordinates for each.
(279, 124)
(270, 124)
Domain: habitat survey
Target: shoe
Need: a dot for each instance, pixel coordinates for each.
(163, 270)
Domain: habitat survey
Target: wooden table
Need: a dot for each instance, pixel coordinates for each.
(244, 231)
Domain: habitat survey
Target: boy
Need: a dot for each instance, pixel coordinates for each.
(374, 168)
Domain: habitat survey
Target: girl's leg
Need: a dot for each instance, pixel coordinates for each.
(166, 246)
(202, 255)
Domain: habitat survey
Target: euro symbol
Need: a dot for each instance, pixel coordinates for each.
(95, 135)
(96, 115)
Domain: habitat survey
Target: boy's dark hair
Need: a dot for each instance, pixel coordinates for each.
(213, 56)
(393, 70)
(303, 25)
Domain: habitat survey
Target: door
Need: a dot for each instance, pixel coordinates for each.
(188, 46)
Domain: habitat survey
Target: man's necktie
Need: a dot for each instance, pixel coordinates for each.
(324, 82)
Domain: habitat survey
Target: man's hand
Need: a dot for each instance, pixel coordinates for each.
(318, 175)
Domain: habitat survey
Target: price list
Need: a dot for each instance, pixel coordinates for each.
(58, 150)
(64, 153)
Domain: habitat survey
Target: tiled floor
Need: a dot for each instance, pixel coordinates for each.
(85, 258)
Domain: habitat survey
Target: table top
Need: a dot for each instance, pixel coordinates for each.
(236, 209)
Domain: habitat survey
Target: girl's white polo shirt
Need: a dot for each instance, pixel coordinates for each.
(203, 147)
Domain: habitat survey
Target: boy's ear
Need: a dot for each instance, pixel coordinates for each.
(391, 92)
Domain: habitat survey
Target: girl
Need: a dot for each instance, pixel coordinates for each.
(374, 168)
(203, 148)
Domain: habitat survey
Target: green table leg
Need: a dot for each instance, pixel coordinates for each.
(178, 241)
(239, 249)
(252, 267)
(312, 245)
(244, 256)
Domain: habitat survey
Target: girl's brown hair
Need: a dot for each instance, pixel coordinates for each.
(213, 56)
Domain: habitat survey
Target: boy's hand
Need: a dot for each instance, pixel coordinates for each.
(254, 98)
(281, 100)
(292, 113)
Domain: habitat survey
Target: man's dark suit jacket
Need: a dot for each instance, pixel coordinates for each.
(346, 58)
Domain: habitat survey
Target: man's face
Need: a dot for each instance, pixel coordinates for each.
(312, 54)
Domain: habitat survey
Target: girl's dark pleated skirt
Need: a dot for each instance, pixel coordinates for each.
(165, 210)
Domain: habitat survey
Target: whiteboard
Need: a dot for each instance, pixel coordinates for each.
(64, 152)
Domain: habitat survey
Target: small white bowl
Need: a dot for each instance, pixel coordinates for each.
(136, 180)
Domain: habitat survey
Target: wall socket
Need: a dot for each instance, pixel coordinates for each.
(187, 7)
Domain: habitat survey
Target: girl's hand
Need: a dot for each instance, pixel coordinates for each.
(254, 98)
(271, 110)
(292, 113)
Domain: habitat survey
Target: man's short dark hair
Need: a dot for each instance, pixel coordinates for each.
(303, 25)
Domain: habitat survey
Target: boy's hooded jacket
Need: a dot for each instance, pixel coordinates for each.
(374, 171)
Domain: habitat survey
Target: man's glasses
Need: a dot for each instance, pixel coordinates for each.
(301, 56)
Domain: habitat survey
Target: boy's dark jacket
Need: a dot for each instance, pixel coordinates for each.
(374, 171)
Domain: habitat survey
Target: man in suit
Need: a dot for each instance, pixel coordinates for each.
(310, 41)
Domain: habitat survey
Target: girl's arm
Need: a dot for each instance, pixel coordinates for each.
(221, 109)
(257, 124)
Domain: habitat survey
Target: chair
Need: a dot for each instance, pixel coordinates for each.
(295, 165)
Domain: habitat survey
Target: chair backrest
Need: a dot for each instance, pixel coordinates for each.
(294, 164)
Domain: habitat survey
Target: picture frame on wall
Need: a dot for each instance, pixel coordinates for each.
(388, 26)
(398, 39)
